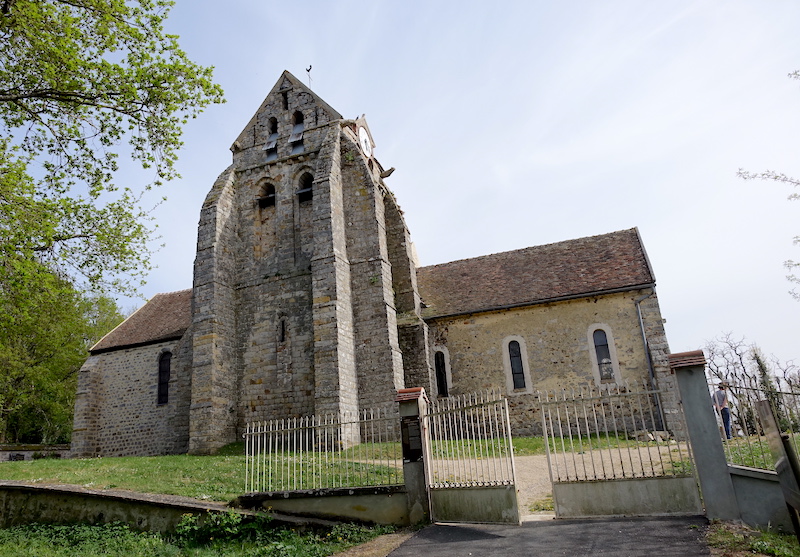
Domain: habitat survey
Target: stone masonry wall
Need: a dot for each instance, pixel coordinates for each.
(117, 413)
(557, 346)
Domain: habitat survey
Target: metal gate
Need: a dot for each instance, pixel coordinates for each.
(609, 455)
(470, 460)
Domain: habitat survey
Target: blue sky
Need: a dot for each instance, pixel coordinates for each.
(514, 124)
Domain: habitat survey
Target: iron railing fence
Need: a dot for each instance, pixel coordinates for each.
(609, 433)
(748, 445)
(470, 441)
(352, 449)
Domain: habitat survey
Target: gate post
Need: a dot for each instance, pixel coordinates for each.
(716, 485)
(413, 411)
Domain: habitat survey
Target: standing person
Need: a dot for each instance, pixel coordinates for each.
(720, 399)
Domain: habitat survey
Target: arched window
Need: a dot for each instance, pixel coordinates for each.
(267, 198)
(603, 355)
(441, 373)
(605, 366)
(515, 362)
(305, 190)
(517, 373)
(163, 377)
(296, 139)
(271, 146)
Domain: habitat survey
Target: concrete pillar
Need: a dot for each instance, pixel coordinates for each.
(709, 457)
(414, 430)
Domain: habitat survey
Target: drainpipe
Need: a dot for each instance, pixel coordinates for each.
(650, 370)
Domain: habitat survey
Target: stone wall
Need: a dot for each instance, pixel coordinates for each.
(295, 297)
(116, 410)
(555, 338)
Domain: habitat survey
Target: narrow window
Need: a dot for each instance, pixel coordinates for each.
(163, 377)
(305, 190)
(282, 331)
(515, 364)
(603, 353)
(296, 139)
(285, 95)
(271, 146)
(441, 373)
(517, 372)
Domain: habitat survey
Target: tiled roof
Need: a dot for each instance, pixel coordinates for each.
(687, 359)
(610, 262)
(164, 317)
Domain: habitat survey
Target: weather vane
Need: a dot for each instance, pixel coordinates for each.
(308, 71)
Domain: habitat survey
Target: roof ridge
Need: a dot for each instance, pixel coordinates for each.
(518, 250)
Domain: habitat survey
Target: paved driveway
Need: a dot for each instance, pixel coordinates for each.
(624, 537)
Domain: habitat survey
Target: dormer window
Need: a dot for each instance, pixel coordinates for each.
(296, 139)
(305, 192)
(271, 146)
(267, 198)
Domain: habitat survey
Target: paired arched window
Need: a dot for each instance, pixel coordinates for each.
(605, 366)
(267, 197)
(296, 139)
(272, 141)
(305, 190)
(164, 362)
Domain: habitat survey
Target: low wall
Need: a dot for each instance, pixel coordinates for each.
(627, 497)
(10, 452)
(760, 498)
(494, 505)
(64, 504)
(381, 505)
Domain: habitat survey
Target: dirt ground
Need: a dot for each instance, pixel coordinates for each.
(533, 481)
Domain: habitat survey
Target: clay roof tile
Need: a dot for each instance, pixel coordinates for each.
(164, 317)
(582, 267)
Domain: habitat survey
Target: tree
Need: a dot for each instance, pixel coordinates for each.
(750, 377)
(771, 175)
(81, 83)
(41, 352)
(77, 79)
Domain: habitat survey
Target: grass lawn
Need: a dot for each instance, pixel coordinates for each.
(211, 478)
(221, 477)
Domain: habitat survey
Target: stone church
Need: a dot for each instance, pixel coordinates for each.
(307, 299)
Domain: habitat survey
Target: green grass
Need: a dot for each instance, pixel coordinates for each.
(596, 441)
(225, 537)
(542, 505)
(738, 539)
(750, 451)
(214, 478)
(220, 477)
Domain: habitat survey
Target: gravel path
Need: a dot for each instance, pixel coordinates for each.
(533, 481)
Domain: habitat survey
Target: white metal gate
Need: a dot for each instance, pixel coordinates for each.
(608, 454)
(470, 460)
